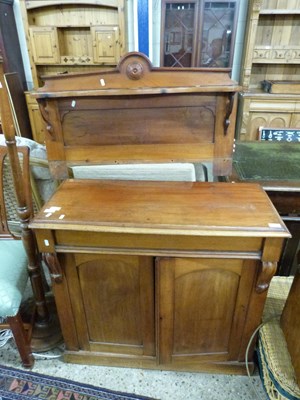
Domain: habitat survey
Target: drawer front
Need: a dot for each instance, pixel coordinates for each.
(155, 244)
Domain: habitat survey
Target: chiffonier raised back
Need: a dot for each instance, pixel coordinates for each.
(139, 113)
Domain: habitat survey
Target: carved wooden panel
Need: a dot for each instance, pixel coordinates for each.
(276, 54)
(266, 111)
(257, 120)
(190, 119)
(295, 120)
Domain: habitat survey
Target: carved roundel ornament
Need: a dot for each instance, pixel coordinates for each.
(135, 70)
(135, 65)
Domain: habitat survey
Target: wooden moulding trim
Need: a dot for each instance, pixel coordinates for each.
(279, 11)
(250, 255)
(220, 231)
(135, 91)
(197, 365)
(32, 4)
(133, 153)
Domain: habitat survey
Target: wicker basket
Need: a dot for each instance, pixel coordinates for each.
(10, 199)
(276, 369)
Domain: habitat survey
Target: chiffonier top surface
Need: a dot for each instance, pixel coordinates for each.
(171, 208)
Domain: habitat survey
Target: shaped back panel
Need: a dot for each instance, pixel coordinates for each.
(137, 113)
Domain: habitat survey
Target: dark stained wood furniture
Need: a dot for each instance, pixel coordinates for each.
(18, 104)
(276, 167)
(10, 50)
(167, 275)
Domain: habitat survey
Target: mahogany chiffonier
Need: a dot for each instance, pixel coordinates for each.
(153, 274)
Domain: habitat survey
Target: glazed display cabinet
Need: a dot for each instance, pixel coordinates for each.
(198, 33)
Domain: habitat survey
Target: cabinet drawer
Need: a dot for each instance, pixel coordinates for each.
(150, 243)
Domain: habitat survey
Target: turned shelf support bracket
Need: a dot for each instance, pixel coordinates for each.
(45, 115)
(229, 107)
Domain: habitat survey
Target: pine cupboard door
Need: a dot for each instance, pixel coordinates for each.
(45, 45)
(202, 307)
(106, 44)
(38, 125)
(112, 299)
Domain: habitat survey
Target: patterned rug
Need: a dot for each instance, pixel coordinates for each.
(23, 385)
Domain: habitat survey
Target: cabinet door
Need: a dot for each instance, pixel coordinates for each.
(112, 301)
(106, 46)
(202, 307)
(45, 45)
(295, 122)
(38, 125)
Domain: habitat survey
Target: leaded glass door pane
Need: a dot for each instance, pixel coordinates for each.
(198, 33)
(179, 34)
(217, 33)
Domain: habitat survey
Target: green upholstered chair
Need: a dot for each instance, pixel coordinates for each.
(13, 267)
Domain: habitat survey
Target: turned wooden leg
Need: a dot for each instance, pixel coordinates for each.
(46, 329)
(21, 339)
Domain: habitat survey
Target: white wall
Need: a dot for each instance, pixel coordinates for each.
(23, 45)
(239, 42)
(131, 28)
(156, 24)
